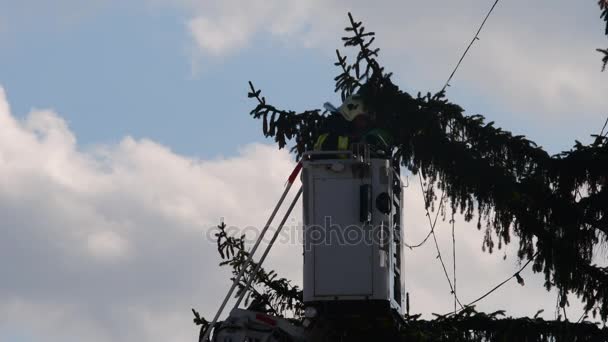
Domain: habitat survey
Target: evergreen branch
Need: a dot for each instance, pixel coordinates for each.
(278, 294)
(512, 184)
(605, 58)
(556, 205)
(345, 81)
(284, 125)
(472, 326)
(604, 8)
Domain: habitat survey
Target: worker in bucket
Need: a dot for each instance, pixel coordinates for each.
(337, 131)
(360, 128)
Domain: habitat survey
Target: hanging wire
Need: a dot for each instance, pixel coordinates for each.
(445, 271)
(432, 232)
(433, 224)
(603, 128)
(447, 83)
(584, 314)
(515, 275)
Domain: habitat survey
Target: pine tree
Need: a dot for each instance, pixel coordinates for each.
(556, 205)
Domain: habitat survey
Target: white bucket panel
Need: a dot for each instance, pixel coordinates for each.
(341, 267)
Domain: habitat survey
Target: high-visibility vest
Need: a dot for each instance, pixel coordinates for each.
(320, 140)
(342, 142)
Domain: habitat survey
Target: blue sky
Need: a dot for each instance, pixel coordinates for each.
(127, 71)
(132, 69)
(128, 138)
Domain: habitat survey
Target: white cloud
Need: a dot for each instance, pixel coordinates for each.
(544, 73)
(110, 243)
(106, 245)
(222, 27)
(212, 37)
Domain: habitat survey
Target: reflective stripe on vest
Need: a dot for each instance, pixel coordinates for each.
(342, 143)
(319, 143)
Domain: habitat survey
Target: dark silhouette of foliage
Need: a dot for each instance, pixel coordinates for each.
(604, 8)
(269, 292)
(555, 204)
(469, 325)
(279, 298)
(202, 322)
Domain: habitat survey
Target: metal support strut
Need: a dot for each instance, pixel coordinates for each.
(236, 281)
(274, 238)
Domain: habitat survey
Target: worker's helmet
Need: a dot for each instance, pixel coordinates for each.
(352, 107)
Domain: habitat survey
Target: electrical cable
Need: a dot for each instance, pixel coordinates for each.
(603, 128)
(445, 271)
(515, 275)
(447, 83)
(584, 315)
(432, 226)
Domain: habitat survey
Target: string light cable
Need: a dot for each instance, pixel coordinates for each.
(445, 271)
(515, 275)
(466, 51)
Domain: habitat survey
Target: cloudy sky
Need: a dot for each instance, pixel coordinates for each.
(125, 137)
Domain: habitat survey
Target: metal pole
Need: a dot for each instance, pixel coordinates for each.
(274, 238)
(236, 281)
